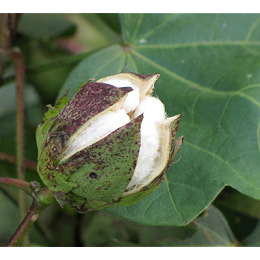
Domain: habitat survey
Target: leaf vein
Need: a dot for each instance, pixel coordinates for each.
(137, 26)
(225, 162)
(198, 44)
(149, 204)
(250, 32)
(258, 136)
(149, 33)
(193, 84)
(172, 201)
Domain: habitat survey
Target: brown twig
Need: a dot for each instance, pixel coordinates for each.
(42, 198)
(8, 24)
(20, 160)
(27, 222)
(12, 159)
(16, 183)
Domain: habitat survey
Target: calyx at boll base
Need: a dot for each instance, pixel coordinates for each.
(110, 145)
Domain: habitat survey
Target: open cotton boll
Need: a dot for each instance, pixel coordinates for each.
(103, 125)
(109, 145)
(153, 111)
(132, 100)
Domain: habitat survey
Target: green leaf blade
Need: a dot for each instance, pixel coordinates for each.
(209, 67)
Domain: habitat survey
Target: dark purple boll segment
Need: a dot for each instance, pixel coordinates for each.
(91, 99)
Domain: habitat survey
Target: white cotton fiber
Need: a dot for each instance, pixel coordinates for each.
(153, 110)
(103, 125)
(133, 97)
(131, 101)
(148, 152)
(119, 83)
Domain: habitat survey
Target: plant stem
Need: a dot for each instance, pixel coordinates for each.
(17, 183)
(42, 198)
(20, 68)
(27, 222)
(12, 159)
(20, 161)
(8, 24)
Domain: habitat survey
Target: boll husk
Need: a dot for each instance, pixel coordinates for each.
(110, 145)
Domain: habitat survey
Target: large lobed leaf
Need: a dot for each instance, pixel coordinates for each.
(210, 73)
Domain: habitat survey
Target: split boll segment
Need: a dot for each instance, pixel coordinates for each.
(110, 145)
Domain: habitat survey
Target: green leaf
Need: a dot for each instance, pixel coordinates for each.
(209, 67)
(240, 203)
(43, 25)
(212, 230)
(253, 240)
(106, 62)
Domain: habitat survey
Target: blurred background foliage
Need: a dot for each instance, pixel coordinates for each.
(53, 45)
